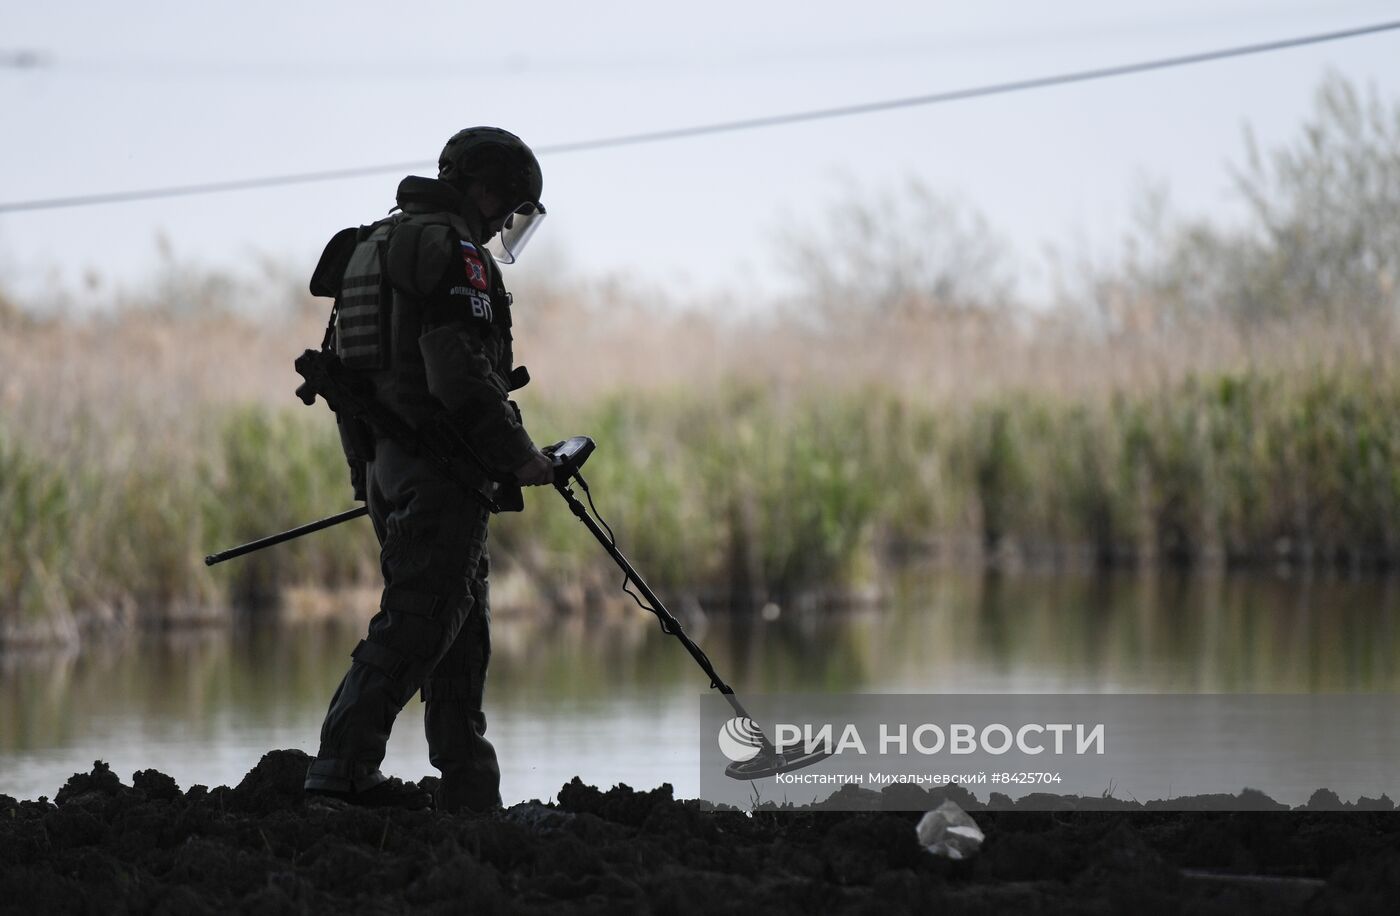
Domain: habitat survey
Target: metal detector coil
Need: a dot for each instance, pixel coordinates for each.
(569, 456)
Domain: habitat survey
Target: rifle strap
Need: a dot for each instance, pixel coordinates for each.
(328, 339)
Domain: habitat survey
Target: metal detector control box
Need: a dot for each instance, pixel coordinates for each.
(570, 455)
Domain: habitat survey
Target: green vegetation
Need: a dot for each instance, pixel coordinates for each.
(35, 506)
(1237, 469)
(735, 493)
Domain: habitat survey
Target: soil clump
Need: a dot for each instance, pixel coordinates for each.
(105, 846)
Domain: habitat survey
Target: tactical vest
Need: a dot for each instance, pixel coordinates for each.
(384, 277)
(361, 332)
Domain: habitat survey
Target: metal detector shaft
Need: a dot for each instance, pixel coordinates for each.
(669, 624)
(268, 541)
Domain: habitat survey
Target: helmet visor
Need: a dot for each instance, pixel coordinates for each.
(516, 232)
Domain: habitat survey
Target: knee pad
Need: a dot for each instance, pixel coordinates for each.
(410, 634)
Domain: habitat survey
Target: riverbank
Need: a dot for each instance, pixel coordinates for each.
(259, 847)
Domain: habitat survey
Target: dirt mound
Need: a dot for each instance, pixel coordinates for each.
(273, 785)
(621, 803)
(82, 787)
(105, 846)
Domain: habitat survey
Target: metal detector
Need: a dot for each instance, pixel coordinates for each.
(569, 456)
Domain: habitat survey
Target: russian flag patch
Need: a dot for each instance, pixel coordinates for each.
(476, 267)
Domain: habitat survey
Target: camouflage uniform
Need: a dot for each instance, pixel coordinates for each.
(445, 345)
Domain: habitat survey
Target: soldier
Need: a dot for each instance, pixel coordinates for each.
(422, 315)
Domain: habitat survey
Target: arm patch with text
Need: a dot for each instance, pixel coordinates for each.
(471, 300)
(472, 296)
(471, 292)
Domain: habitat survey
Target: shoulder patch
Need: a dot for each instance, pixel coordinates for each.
(472, 299)
(476, 266)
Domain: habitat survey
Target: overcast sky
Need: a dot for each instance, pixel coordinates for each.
(142, 94)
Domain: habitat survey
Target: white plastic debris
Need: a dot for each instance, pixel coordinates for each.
(949, 831)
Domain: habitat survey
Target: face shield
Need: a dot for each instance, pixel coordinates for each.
(519, 226)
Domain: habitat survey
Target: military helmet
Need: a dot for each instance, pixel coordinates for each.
(496, 157)
(500, 160)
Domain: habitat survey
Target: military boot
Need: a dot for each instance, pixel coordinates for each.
(391, 792)
(355, 734)
(471, 777)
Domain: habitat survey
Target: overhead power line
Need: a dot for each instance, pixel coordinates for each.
(680, 133)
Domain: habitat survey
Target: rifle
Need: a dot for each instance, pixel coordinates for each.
(568, 456)
(272, 539)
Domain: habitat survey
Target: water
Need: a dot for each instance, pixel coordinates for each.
(617, 701)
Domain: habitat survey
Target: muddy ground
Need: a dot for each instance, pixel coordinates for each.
(108, 847)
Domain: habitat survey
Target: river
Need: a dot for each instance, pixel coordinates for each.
(617, 700)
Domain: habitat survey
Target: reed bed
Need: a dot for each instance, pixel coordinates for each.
(744, 461)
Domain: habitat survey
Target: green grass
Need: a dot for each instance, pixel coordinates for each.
(36, 519)
(751, 493)
(805, 492)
